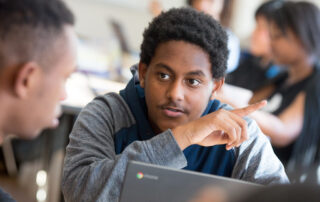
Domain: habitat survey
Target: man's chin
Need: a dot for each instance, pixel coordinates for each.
(164, 127)
(29, 135)
(54, 123)
(36, 132)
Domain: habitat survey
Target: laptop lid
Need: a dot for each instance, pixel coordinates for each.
(146, 182)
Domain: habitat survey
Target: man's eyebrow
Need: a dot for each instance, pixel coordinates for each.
(196, 73)
(192, 73)
(161, 65)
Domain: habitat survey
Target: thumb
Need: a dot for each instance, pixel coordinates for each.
(250, 109)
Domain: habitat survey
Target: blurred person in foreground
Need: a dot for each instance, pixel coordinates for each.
(284, 193)
(37, 55)
(274, 193)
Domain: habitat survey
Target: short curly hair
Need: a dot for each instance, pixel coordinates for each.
(187, 24)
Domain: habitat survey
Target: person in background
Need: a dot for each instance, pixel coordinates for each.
(256, 68)
(37, 54)
(220, 10)
(168, 115)
(155, 8)
(291, 118)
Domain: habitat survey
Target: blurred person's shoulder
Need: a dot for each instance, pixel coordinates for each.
(5, 197)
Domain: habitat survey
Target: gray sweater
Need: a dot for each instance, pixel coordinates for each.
(93, 172)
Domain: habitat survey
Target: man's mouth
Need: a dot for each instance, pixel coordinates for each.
(58, 111)
(172, 112)
(55, 119)
(54, 123)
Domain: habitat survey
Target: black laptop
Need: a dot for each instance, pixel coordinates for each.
(151, 183)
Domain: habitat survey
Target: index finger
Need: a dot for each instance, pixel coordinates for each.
(249, 109)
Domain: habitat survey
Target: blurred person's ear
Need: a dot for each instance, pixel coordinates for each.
(26, 79)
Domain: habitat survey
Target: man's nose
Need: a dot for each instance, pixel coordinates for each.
(176, 91)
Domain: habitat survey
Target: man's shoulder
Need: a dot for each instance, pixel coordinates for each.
(109, 98)
(110, 101)
(110, 106)
(105, 111)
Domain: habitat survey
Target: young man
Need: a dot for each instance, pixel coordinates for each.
(156, 118)
(37, 54)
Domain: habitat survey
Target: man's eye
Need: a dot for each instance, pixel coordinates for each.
(163, 76)
(193, 82)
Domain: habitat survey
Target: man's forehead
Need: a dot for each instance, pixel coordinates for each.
(181, 55)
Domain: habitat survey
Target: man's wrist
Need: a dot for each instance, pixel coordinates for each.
(181, 137)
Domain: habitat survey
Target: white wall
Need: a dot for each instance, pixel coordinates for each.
(243, 19)
(92, 17)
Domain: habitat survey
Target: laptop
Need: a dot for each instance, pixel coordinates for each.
(152, 183)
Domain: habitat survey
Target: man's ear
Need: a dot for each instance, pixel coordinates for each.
(142, 73)
(26, 78)
(217, 86)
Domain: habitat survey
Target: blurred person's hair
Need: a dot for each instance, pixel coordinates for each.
(303, 19)
(188, 25)
(265, 9)
(226, 13)
(29, 30)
